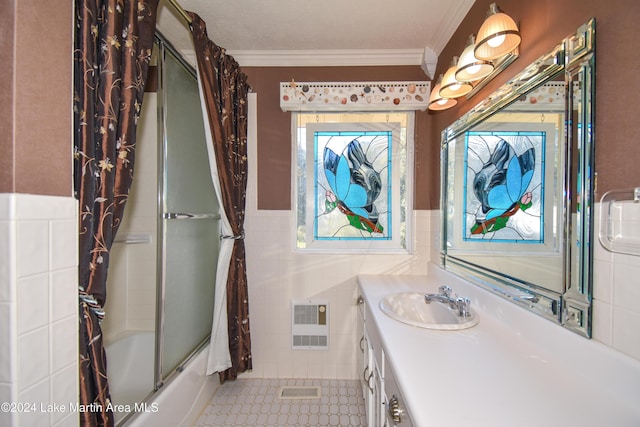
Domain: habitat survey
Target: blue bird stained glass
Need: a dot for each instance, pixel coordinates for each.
(502, 181)
(356, 173)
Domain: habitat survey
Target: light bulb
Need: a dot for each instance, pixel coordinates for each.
(496, 41)
(473, 69)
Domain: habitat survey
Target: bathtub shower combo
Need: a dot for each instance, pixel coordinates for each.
(162, 276)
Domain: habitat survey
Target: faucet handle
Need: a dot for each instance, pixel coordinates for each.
(463, 305)
(445, 290)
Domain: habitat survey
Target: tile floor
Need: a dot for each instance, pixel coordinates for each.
(257, 402)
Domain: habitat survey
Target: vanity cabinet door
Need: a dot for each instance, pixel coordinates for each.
(373, 386)
(395, 412)
(362, 350)
(365, 359)
(370, 367)
(377, 418)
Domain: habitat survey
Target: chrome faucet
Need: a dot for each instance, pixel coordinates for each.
(461, 304)
(444, 296)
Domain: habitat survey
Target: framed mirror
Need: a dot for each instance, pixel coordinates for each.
(517, 186)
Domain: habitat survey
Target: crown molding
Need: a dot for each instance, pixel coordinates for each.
(326, 58)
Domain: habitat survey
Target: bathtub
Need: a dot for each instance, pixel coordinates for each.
(130, 368)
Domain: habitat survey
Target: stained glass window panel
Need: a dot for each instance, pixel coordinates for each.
(504, 186)
(352, 186)
(352, 180)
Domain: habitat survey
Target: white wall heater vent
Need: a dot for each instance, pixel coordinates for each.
(310, 325)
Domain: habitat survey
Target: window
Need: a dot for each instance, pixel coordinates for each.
(353, 180)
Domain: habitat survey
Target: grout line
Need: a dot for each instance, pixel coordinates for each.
(255, 402)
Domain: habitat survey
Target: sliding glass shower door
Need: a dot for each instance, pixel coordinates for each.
(189, 219)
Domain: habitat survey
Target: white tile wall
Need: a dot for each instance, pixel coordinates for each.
(277, 275)
(616, 292)
(38, 308)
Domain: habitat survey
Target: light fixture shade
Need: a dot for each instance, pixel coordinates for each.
(452, 88)
(497, 36)
(438, 103)
(471, 68)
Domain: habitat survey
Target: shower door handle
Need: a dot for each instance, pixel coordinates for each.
(174, 215)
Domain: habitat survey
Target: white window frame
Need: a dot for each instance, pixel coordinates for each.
(401, 240)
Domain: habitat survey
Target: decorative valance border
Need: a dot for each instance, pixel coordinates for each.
(354, 96)
(548, 97)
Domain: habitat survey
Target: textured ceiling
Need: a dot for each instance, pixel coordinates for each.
(327, 25)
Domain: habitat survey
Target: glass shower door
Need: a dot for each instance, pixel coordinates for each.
(189, 220)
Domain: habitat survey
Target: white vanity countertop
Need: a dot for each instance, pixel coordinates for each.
(513, 369)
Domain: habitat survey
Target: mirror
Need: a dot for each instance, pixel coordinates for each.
(517, 186)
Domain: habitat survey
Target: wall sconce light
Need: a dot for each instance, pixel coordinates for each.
(450, 87)
(471, 68)
(438, 103)
(493, 49)
(497, 36)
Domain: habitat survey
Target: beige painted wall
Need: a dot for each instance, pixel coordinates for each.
(36, 44)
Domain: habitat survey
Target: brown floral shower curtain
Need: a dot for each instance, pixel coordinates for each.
(225, 90)
(112, 48)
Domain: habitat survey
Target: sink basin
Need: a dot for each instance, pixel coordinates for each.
(410, 308)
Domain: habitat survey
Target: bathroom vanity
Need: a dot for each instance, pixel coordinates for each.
(512, 368)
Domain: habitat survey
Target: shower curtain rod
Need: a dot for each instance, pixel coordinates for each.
(180, 10)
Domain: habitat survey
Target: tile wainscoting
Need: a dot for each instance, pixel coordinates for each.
(278, 274)
(616, 293)
(38, 309)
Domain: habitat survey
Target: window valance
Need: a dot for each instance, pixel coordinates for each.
(354, 96)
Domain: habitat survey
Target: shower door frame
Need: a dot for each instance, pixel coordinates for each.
(160, 380)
